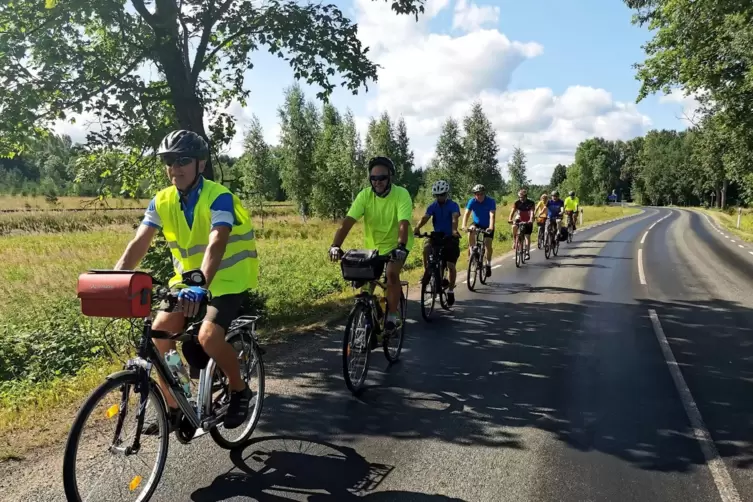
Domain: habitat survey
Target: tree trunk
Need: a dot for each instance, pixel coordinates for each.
(723, 199)
(175, 64)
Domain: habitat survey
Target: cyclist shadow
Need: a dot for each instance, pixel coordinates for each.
(283, 468)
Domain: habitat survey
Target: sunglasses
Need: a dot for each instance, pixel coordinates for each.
(169, 160)
(441, 195)
(379, 177)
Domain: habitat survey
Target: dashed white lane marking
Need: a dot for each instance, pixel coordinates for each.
(653, 225)
(495, 267)
(733, 240)
(726, 236)
(641, 274)
(751, 252)
(719, 473)
(741, 246)
(644, 238)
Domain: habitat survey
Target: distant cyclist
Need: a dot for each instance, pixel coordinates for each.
(571, 207)
(445, 214)
(524, 207)
(484, 211)
(540, 212)
(554, 207)
(386, 210)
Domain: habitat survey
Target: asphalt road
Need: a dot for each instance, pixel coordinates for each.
(551, 383)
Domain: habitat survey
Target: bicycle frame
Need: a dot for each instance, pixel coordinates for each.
(148, 357)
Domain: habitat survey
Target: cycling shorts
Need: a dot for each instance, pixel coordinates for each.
(527, 228)
(221, 310)
(450, 251)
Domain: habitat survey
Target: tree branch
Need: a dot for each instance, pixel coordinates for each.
(142, 10)
(245, 31)
(209, 20)
(185, 37)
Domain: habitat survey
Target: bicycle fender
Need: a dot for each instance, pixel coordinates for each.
(118, 374)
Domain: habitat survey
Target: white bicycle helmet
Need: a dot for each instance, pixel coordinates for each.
(478, 188)
(440, 187)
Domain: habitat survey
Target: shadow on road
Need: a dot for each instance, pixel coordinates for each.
(590, 374)
(284, 468)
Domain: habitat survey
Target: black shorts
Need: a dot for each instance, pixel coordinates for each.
(450, 251)
(488, 236)
(380, 268)
(527, 228)
(221, 310)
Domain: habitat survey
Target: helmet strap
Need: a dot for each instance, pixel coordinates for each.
(386, 190)
(193, 184)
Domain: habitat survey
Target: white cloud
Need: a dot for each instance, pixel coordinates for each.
(426, 77)
(471, 17)
(691, 107)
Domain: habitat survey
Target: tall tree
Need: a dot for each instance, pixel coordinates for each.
(298, 135)
(404, 159)
(330, 195)
(380, 138)
(450, 161)
(517, 169)
(558, 176)
(350, 156)
(481, 149)
(258, 175)
(83, 55)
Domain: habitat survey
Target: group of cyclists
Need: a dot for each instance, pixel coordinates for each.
(207, 228)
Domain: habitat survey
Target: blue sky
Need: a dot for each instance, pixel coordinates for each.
(588, 43)
(548, 74)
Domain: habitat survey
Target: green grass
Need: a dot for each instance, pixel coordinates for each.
(729, 221)
(45, 342)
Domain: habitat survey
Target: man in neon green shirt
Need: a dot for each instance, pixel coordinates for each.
(386, 210)
(571, 206)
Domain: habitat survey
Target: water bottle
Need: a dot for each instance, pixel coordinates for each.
(178, 369)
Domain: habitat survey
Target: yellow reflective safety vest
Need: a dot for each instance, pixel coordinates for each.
(239, 268)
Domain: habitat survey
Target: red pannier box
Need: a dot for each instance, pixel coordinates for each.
(115, 293)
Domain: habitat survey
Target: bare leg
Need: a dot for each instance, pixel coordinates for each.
(212, 340)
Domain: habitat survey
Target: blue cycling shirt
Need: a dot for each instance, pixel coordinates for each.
(441, 215)
(481, 210)
(554, 207)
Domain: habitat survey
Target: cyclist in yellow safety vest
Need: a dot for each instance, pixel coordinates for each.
(206, 228)
(571, 207)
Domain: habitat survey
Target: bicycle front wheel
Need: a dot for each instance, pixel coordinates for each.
(393, 344)
(472, 271)
(100, 458)
(428, 296)
(556, 245)
(356, 348)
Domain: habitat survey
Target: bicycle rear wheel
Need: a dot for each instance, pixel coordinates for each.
(105, 414)
(482, 275)
(442, 290)
(252, 371)
(556, 245)
(357, 345)
(518, 252)
(393, 343)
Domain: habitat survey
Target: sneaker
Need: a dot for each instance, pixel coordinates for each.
(151, 428)
(488, 270)
(450, 298)
(392, 324)
(237, 411)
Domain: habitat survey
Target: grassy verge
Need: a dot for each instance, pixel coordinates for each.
(729, 222)
(45, 343)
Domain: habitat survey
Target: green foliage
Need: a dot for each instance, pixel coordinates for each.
(257, 170)
(481, 149)
(517, 170)
(558, 176)
(89, 56)
(298, 136)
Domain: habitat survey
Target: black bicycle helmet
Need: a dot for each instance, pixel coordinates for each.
(382, 161)
(184, 143)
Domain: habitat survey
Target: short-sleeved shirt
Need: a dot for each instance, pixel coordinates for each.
(382, 217)
(221, 210)
(571, 204)
(481, 210)
(554, 207)
(540, 205)
(441, 215)
(523, 207)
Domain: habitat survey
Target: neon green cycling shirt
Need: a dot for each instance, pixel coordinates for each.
(571, 204)
(382, 216)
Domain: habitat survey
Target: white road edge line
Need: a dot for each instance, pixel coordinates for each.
(644, 238)
(741, 246)
(722, 479)
(495, 267)
(641, 275)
